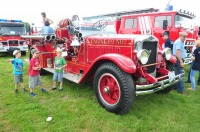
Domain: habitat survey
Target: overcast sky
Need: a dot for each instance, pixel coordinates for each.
(30, 10)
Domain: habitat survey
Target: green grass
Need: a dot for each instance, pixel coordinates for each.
(76, 109)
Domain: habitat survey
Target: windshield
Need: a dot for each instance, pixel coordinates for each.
(185, 22)
(98, 26)
(7, 30)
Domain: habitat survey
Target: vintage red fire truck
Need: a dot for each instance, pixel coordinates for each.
(151, 21)
(121, 66)
(10, 40)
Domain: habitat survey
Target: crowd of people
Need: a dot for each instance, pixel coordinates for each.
(179, 51)
(34, 71)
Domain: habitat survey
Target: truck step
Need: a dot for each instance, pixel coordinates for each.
(69, 76)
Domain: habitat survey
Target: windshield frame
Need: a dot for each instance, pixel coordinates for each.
(185, 20)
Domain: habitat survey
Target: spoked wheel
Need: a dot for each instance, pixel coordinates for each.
(114, 88)
(109, 89)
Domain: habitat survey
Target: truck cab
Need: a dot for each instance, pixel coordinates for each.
(10, 40)
(156, 23)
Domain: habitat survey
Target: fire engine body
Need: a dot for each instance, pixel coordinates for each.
(151, 21)
(121, 66)
(10, 39)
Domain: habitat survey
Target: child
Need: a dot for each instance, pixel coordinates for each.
(59, 64)
(196, 65)
(18, 70)
(34, 73)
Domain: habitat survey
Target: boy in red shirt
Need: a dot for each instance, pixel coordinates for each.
(34, 73)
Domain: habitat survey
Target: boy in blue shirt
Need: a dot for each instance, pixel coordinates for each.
(46, 29)
(17, 70)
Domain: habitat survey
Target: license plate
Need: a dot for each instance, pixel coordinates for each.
(171, 75)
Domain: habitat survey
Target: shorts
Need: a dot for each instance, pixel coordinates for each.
(18, 78)
(58, 76)
(34, 81)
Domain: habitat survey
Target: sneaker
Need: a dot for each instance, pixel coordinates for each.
(33, 94)
(16, 91)
(43, 90)
(53, 88)
(25, 90)
(60, 89)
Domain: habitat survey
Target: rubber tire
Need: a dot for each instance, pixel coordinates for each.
(126, 86)
(23, 52)
(169, 67)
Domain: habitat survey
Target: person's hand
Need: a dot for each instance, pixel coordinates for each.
(182, 64)
(59, 68)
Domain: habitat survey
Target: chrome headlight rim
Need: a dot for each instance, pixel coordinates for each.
(167, 53)
(139, 56)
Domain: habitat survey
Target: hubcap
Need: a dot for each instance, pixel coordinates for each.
(109, 89)
(106, 90)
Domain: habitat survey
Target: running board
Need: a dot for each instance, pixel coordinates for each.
(69, 76)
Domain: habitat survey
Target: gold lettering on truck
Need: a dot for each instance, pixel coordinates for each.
(108, 41)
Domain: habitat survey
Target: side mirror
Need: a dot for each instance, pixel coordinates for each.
(165, 24)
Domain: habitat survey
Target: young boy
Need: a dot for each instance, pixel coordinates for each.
(18, 70)
(59, 64)
(34, 73)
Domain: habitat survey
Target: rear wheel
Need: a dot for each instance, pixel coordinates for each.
(169, 67)
(114, 88)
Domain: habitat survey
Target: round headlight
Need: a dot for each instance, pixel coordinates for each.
(143, 56)
(167, 53)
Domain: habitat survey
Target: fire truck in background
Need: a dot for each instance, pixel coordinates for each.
(10, 40)
(151, 21)
(121, 66)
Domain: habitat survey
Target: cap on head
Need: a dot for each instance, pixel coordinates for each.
(165, 33)
(33, 51)
(58, 50)
(16, 51)
(183, 33)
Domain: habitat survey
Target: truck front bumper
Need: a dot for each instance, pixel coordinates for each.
(151, 88)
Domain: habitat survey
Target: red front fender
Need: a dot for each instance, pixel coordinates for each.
(124, 62)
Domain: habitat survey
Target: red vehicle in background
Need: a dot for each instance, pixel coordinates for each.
(10, 40)
(151, 21)
(121, 66)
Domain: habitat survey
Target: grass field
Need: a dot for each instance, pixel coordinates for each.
(76, 109)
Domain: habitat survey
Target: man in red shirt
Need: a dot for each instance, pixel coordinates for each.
(34, 73)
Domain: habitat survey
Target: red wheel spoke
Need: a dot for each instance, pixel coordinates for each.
(109, 89)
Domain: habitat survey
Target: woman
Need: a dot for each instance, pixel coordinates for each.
(44, 18)
(196, 65)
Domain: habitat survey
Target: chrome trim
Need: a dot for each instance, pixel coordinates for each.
(159, 85)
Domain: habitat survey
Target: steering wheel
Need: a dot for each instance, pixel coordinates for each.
(99, 25)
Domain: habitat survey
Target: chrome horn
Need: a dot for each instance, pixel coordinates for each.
(47, 38)
(53, 37)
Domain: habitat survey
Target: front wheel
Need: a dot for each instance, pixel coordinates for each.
(114, 88)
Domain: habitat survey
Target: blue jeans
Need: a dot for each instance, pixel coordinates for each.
(189, 74)
(192, 78)
(180, 84)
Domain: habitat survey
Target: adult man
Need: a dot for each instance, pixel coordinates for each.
(168, 42)
(47, 29)
(180, 53)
